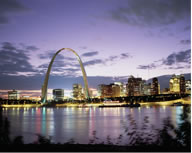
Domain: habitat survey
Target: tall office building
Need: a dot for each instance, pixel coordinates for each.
(182, 84)
(13, 95)
(78, 92)
(155, 86)
(58, 94)
(93, 92)
(116, 90)
(147, 89)
(122, 91)
(188, 86)
(177, 84)
(134, 86)
(104, 91)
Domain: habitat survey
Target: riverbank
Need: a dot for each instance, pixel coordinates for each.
(160, 103)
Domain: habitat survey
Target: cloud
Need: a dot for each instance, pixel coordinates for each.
(32, 48)
(152, 12)
(8, 7)
(83, 47)
(94, 62)
(180, 57)
(177, 60)
(112, 58)
(125, 55)
(88, 54)
(185, 42)
(150, 66)
(50, 54)
(14, 59)
(108, 59)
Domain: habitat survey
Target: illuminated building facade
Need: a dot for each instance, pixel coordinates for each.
(93, 92)
(188, 86)
(116, 90)
(134, 86)
(147, 89)
(13, 95)
(78, 92)
(122, 89)
(165, 91)
(58, 94)
(155, 86)
(177, 84)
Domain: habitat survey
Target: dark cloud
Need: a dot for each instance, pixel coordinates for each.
(14, 60)
(112, 58)
(177, 60)
(50, 54)
(32, 48)
(152, 12)
(185, 42)
(150, 66)
(125, 55)
(94, 62)
(180, 57)
(8, 7)
(178, 67)
(88, 54)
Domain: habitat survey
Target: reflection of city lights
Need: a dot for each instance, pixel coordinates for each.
(139, 109)
(164, 107)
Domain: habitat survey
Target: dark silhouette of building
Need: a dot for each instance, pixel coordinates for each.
(182, 84)
(134, 86)
(58, 94)
(105, 90)
(155, 86)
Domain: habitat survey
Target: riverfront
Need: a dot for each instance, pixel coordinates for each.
(186, 100)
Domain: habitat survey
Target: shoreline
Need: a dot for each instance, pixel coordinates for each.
(160, 103)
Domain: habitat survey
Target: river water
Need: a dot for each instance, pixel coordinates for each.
(79, 124)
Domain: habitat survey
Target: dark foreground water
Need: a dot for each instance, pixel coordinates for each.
(79, 124)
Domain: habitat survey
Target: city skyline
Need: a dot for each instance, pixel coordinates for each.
(163, 88)
(146, 43)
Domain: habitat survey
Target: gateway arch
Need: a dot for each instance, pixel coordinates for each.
(44, 88)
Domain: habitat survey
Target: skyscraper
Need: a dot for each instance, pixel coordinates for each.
(105, 91)
(116, 90)
(78, 92)
(134, 86)
(182, 84)
(177, 84)
(58, 94)
(155, 86)
(13, 95)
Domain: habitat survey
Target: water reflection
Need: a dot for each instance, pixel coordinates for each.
(79, 123)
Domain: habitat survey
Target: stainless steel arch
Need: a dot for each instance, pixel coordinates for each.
(44, 88)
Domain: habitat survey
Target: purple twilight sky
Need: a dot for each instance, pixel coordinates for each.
(114, 38)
